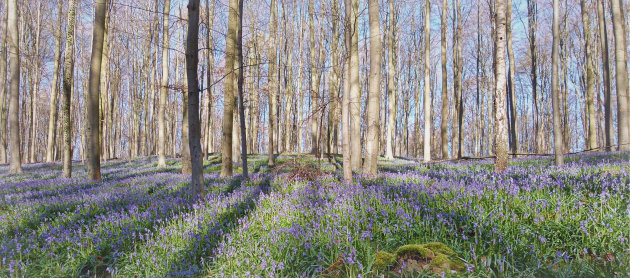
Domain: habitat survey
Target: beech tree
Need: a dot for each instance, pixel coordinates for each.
(163, 88)
(66, 97)
(500, 114)
(374, 88)
(15, 165)
(555, 88)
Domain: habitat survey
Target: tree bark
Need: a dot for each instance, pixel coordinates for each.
(272, 83)
(93, 95)
(391, 88)
(15, 164)
(511, 95)
(374, 87)
(192, 62)
(66, 97)
(621, 63)
(355, 92)
(555, 88)
(590, 79)
(345, 107)
(52, 111)
(444, 118)
(210, 79)
(163, 88)
(427, 81)
(500, 113)
(228, 109)
(603, 40)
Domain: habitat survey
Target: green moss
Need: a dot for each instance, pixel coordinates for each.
(414, 248)
(442, 262)
(438, 247)
(383, 259)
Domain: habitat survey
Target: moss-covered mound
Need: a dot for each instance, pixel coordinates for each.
(412, 258)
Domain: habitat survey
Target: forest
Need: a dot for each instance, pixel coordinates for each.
(314, 138)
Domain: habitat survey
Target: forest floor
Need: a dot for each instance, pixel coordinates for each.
(299, 219)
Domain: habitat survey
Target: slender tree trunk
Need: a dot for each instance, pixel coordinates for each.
(532, 19)
(511, 95)
(621, 63)
(52, 111)
(163, 88)
(3, 89)
(334, 82)
(93, 95)
(314, 90)
(14, 87)
(427, 81)
(603, 40)
(590, 79)
(444, 118)
(391, 88)
(192, 61)
(355, 92)
(210, 79)
(272, 81)
(374, 87)
(555, 88)
(500, 113)
(104, 89)
(66, 97)
(228, 110)
(345, 108)
(35, 81)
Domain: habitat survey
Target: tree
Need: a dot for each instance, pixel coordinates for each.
(93, 94)
(374, 88)
(603, 39)
(511, 93)
(52, 113)
(391, 88)
(192, 62)
(621, 71)
(3, 89)
(427, 81)
(228, 109)
(591, 133)
(458, 71)
(66, 97)
(272, 83)
(210, 61)
(555, 88)
(15, 165)
(500, 116)
(444, 118)
(241, 105)
(345, 106)
(355, 92)
(163, 88)
(532, 20)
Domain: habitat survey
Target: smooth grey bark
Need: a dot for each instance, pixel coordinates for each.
(241, 105)
(591, 133)
(15, 162)
(621, 75)
(427, 81)
(66, 97)
(228, 109)
(374, 89)
(272, 83)
(500, 113)
(555, 86)
(93, 95)
(391, 88)
(603, 40)
(355, 90)
(345, 107)
(3, 90)
(192, 61)
(163, 88)
(54, 92)
(444, 117)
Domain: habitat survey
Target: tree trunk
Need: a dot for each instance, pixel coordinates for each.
(210, 79)
(314, 90)
(621, 63)
(590, 79)
(14, 88)
(192, 60)
(345, 107)
(334, 82)
(66, 97)
(272, 81)
(35, 87)
(163, 88)
(228, 110)
(93, 95)
(555, 88)
(603, 40)
(444, 118)
(374, 87)
(532, 19)
(500, 113)
(355, 92)
(52, 111)
(391, 89)
(511, 93)
(3, 90)
(427, 81)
